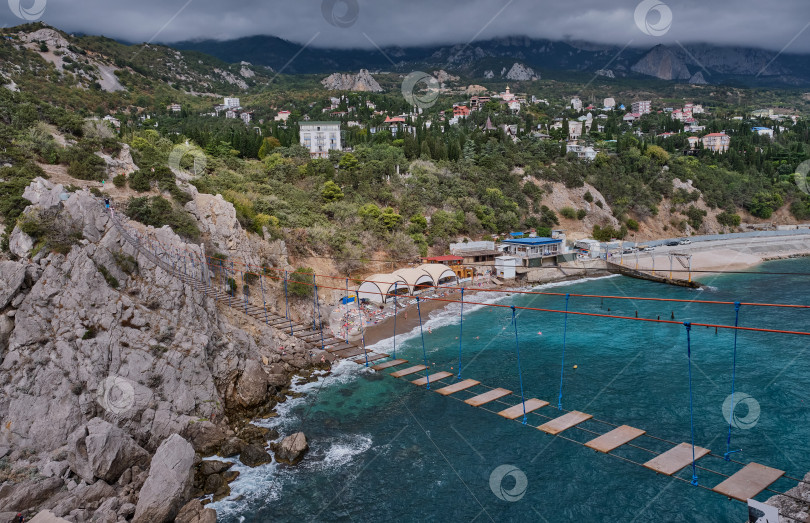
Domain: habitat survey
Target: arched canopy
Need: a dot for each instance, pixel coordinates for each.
(379, 288)
(416, 278)
(440, 274)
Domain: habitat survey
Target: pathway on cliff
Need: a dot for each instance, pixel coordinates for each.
(312, 335)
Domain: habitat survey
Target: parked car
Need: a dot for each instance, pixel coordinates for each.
(673, 243)
(647, 248)
(685, 241)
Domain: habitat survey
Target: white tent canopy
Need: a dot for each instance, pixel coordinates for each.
(376, 288)
(440, 274)
(415, 278)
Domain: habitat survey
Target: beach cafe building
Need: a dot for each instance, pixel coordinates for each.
(455, 263)
(380, 288)
(534, 252)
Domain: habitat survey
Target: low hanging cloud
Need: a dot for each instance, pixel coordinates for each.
(366, 23)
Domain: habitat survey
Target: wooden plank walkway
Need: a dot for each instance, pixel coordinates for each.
(371, 357)
(456, 387)
(564, 422)
(482, 399)
(433, 378)
(615, 438)
(675, 459)
(517, 411)
(409, 370)
(748, 481)
(388, 364)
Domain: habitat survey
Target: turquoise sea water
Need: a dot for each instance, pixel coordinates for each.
(383, 449)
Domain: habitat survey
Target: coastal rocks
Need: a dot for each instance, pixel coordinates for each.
(254, 455)
(231, 447)
(195, 512)
(205, 437)
(101, 450)
(251, 389)
(362, 81)
(167, 486)
(291, 449)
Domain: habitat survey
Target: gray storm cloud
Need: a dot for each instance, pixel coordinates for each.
(749, 23)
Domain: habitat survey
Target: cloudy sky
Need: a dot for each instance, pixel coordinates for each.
(365, 23)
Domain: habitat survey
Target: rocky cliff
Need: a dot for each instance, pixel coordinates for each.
(662, 63)
(116, 376)
(362, 81)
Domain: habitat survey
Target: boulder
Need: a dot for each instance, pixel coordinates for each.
(28, 494)
(251, 389)
(55, 469)
(210, 466)
(20, 244)
(291, 450)
(46, 516)
(254, 455)
(12, 276)
(170, 477)
(231, 447)
(195, 512)
(102, 450)
(205, 437)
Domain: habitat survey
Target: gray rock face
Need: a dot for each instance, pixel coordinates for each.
(101, 450)
(697, 79)
(12, 276)
(291, 450)
(662, 63)
(46, 516)
(170, 477)
(20, 244)
(362, 81)
(28, 494)
(521, 73)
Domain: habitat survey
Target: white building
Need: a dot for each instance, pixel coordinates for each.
(583, 152)
(576, 103)
(175, 108)
(246, 117)
(505, 267)
(763, 131)
(320, 138)
(230, 114)
(642, 107)
(574, 129)
(282, 116)
(231, 103)
(609, 104)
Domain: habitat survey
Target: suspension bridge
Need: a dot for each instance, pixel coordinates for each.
(739, 480)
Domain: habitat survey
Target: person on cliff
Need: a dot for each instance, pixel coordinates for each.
(107, 203)
(20, 518)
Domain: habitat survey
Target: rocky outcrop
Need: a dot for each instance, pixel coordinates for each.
(697, 79)
(117, 363)
(521, 73)
(362, 81)
(121, 164)
(166, 489)
(254, 455)
(194, 512)
(662, 63)
(100, 450)
(291, 449)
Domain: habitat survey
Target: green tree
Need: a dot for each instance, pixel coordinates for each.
(301, 282)
(331, 192)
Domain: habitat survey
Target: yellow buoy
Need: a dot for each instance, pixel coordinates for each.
(575, 366)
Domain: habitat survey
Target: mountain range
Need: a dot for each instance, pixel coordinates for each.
(716, 64)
